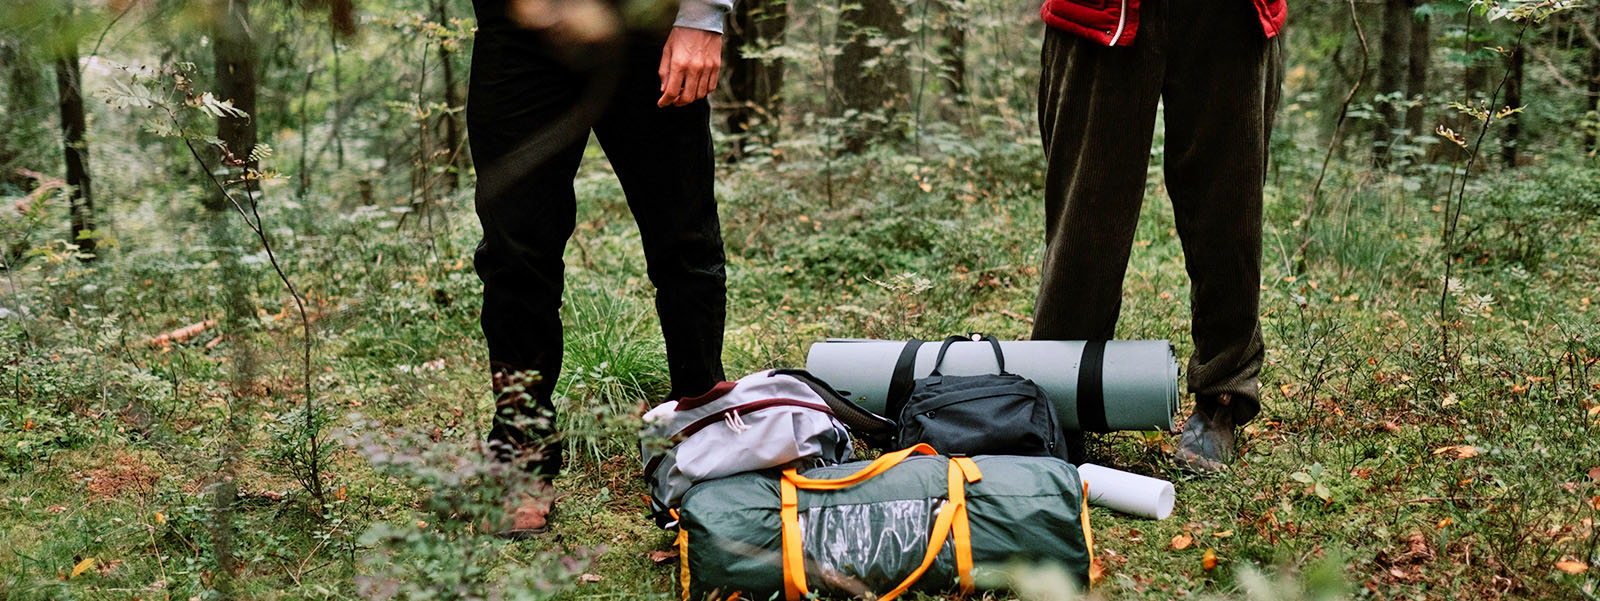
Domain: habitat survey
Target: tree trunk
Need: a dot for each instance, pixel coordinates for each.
(1391, 75)
(872, 78)
(755, 86)
(20, 120)
(69, 92)
(953, 52)
(1591, 102)
(1475, 72)
(455, 151)
(234, 69)
(1417, 75)
(1508, 146)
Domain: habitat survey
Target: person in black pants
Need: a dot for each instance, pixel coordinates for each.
(544, 74)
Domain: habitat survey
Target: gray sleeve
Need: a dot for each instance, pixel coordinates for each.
(703, 14)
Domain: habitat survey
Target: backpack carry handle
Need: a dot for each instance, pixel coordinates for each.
(999, 356)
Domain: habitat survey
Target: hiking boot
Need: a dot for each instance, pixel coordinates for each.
(528, 513)
(1206, 445)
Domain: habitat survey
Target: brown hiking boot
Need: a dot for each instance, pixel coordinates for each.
(1206, 445)
(528, 513)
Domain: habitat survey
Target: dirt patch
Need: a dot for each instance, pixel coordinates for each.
(126, 473)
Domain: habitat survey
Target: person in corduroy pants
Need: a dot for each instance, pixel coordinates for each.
(1215, 67)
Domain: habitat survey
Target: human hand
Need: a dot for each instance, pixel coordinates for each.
(690, 65)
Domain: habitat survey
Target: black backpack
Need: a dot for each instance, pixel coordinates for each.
(993, 414)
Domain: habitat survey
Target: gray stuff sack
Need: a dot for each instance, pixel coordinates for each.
(768, 419)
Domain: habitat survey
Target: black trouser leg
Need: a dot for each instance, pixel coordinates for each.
(1217, 74)
(518, 93)
(663, 158)
(1221, 91)
(529, 114)
(1097, 113)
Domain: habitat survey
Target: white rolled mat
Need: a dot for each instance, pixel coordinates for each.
(1127, 492)
(1137, 379)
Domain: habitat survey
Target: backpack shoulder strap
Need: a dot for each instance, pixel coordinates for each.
(900, 382)
(855, 417)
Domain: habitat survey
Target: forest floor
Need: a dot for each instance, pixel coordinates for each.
(1384, 465)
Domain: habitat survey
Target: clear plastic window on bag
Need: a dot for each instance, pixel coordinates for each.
(856, 549)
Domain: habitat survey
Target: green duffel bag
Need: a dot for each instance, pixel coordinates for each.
(902, 522)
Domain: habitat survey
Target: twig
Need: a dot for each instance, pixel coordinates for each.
(315, 479)
(1556, 72)
(302, 567)
(1333, 142)
(1453, 218)
(1015, 315)
(113, 23)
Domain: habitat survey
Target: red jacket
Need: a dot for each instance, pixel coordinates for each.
(1113, 22)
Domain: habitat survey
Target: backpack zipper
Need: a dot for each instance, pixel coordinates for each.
(926, 410)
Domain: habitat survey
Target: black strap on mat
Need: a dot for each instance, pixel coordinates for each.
(900, 382)
(1091, 388)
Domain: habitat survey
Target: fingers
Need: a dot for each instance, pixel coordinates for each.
(692, 86)
(684, 83)
(666, 63)
(689, 67)
(708, 80)
(699, 80)
(665, 71)
(671, 87)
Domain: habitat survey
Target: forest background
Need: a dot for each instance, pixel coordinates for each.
(242, 356)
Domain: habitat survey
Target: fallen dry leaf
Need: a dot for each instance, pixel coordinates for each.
(1594, 473)
(1209, 560)
(1181, 542)
(105, 568)
(88, 562)
(1222, 534)
(587, 577)
(1457, 451)
(1443, 523)
(663, 556)
(1097, 571)
(1565, 565)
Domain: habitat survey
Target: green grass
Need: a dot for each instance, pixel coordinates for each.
(110, 447)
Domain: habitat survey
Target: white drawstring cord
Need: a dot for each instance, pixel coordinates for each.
(735, 422)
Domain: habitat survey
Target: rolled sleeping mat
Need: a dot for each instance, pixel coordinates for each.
(1128, 492)
(1095, 386)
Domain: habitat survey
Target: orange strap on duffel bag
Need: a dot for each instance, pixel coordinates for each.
(950, 523)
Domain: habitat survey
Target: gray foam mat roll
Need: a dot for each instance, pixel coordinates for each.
(1138, 379)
